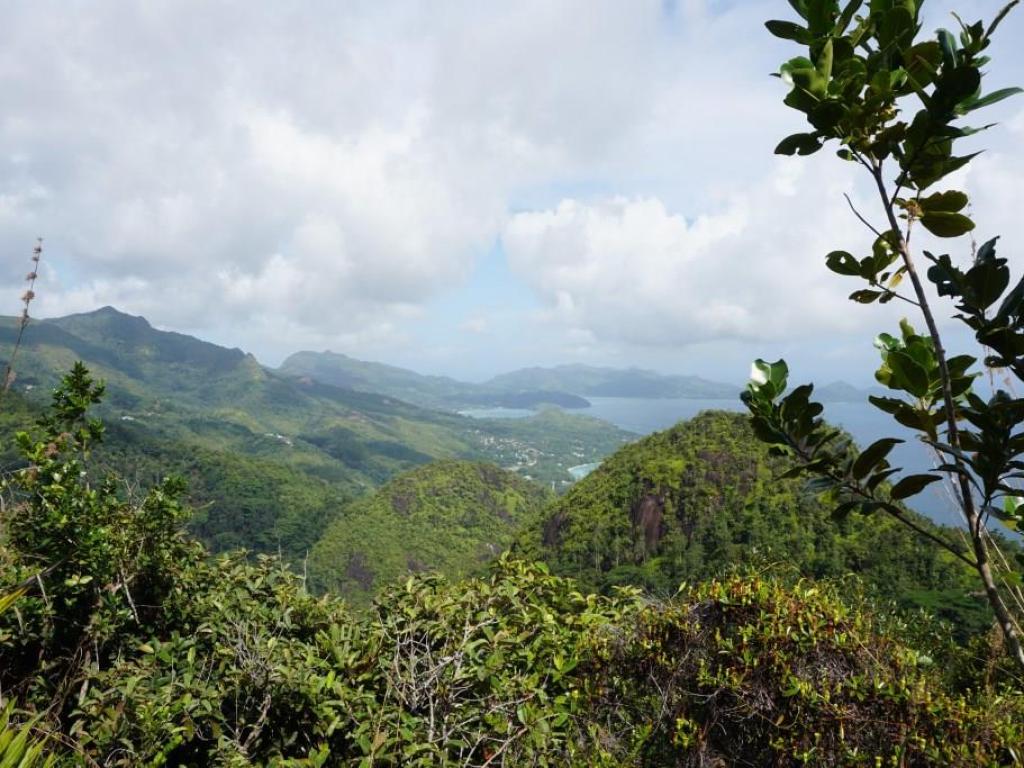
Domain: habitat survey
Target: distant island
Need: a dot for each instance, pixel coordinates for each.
(565, 386)
(594, 381)
(528, 400)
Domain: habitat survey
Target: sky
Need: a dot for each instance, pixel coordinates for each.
(456, 187)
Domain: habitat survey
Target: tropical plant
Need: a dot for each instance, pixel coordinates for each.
(18, 747)
(893, 102)
(98, 560)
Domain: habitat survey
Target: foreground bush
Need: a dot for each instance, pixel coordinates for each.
(520, 669)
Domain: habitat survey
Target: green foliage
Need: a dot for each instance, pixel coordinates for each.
(745, 671)
(239, 675)
(159, 656)
(866, 71)
(269, 459)
(859, 70)
(705, 495)
(449, 516)
(100, 561)
(484, 671)
(241, 501)
(19, 748)
(519, 668)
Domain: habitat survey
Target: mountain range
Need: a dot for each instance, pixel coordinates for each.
(567, 386)
(271, 457)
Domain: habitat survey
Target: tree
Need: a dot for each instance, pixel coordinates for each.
(894, 104)
(97, 562)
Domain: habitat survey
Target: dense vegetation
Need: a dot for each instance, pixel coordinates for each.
(130, 646)
(449, 517)
(687, 503)
(269, 460)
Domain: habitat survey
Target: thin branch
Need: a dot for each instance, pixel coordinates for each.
(933, 537)
(900, 296)
(975, 522)
(857, 490)
(857, 213)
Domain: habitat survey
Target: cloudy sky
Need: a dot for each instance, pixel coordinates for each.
(457, 187)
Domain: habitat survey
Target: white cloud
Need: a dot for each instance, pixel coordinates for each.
(282, 175)
(477, 324)
(633, 271)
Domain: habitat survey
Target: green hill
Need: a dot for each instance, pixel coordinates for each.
(428, 391)
(123, 643)
(701, 497)
(448, 516)
(270, 457)
(344, 371)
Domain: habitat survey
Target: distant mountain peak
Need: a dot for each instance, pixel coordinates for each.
(107, 314)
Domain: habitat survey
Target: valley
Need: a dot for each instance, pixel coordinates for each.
(272, 458)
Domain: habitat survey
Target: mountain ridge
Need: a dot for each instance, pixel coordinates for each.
(175, 396)
(567, 385)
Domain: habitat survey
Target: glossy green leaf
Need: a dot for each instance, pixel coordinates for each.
(993, 98)
(909, 375)
(874, 454)
(843, 263)
(787, 30)
(950, 202)
(799, 144)
(913, 485)
(866, 296)
(945, 224)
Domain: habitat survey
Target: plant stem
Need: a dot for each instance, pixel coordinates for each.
(974, 520)
(23, 322)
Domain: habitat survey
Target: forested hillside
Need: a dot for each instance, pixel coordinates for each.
(270, 459)
(141, 650)
(450, 517)
(695, 500)
(344, 371)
